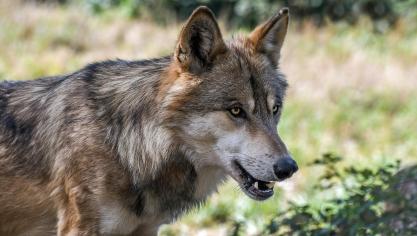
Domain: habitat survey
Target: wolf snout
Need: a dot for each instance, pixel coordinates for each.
(285, 167)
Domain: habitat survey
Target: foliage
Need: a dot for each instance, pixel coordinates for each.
(247, 13)
(371, 203)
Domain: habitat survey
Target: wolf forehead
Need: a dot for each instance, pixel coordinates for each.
(240, 74)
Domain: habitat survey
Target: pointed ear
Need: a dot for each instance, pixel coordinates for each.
(200, 41)
(269, 36)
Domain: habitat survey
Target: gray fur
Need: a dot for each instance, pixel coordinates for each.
(125, 146)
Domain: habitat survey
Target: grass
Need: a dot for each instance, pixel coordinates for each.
(352, 92)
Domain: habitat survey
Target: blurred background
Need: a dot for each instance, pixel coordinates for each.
(350, 118)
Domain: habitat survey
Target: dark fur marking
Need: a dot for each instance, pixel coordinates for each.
(195, 42)
(9, 123)
(17, 132)
(261, 106)
(180, 198)
(139, 204)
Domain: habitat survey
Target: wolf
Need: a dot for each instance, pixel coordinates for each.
(122, 147)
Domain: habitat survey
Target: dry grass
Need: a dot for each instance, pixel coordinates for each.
(66, 39)
(351, 92)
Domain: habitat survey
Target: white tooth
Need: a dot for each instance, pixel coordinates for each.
(270, 184)
(256, 185)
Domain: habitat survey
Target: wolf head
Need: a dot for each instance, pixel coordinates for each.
(224, 100)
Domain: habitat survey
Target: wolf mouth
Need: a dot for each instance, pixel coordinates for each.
(254, 188)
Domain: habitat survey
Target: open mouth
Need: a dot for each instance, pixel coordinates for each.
(254, 188)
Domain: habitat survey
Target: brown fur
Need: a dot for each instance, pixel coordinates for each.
(121, 147)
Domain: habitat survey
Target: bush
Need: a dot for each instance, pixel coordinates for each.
(248, 13)
(376, 201)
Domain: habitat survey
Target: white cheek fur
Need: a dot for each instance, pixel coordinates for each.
(232, 144)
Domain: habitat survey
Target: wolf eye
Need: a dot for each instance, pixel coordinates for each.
(275, 109)
(237, 112)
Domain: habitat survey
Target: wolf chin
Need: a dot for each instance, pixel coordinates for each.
(121, 147)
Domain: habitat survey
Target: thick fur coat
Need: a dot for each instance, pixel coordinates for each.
(121, 147)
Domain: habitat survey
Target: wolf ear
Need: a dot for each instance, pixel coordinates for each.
(200, 41)
(269, 36)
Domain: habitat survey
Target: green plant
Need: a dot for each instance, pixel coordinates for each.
(248, 13)
(370, 203)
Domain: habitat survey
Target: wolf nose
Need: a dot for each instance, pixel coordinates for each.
(285, 167)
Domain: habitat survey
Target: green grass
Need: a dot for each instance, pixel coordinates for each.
(352, 92)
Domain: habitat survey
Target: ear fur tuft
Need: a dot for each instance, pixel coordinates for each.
(200, 41)
(268, 37)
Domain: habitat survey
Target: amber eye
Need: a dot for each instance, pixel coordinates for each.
(236, 111)
(275, 109)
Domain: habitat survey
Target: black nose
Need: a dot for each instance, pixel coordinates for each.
(285, 167)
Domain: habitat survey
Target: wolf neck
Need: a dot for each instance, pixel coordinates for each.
(125, 96)
(134, 125)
